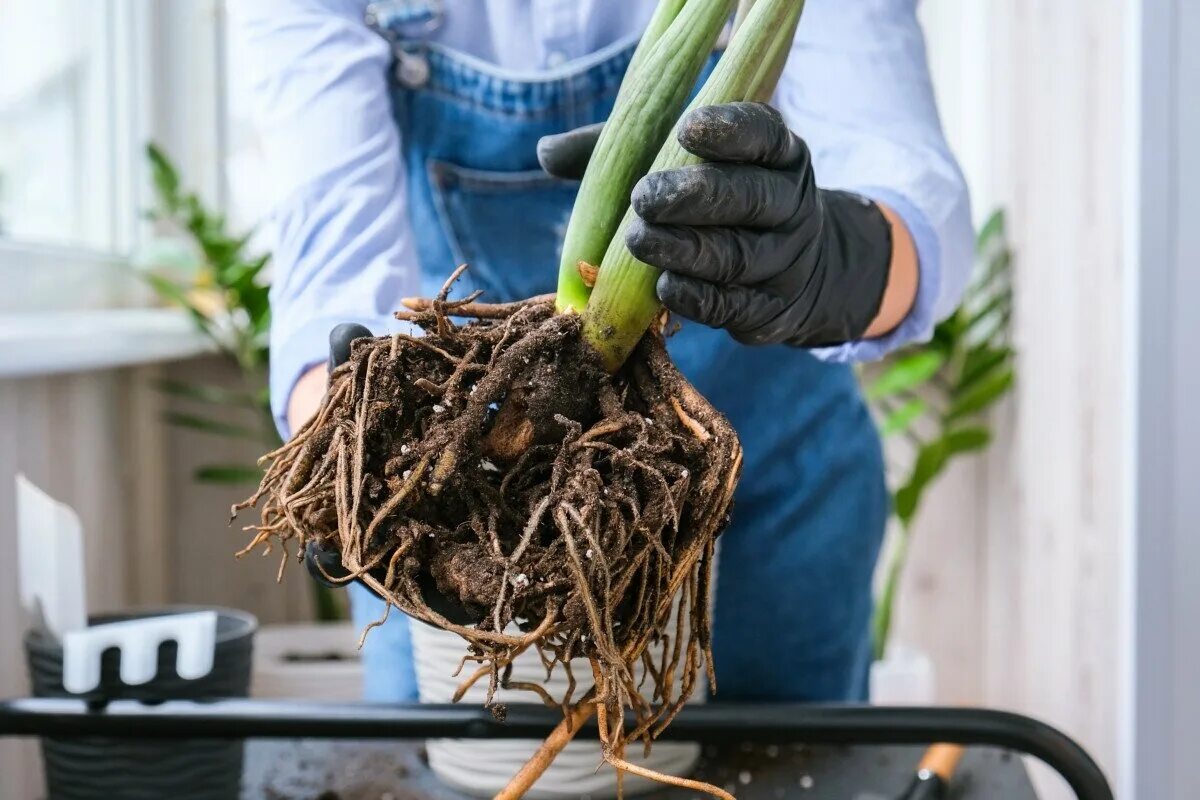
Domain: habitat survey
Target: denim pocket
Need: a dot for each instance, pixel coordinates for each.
(508, 226)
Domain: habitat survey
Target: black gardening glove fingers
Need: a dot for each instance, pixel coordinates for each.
(341, 339)
(726, 194)
(743, 133)
(566, 155)
(740, 310)
(325, 566)
(749, 243)
(719, 255)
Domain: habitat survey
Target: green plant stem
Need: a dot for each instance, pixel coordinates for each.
(664, 15)
(881, 623)
(624, 302)
(661, 76)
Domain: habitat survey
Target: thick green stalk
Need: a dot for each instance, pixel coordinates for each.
(624, 302)
(664, 15)
(681, 37)
(772, 66)
(743, 11)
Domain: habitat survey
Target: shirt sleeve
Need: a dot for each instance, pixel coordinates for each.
(857, 89)
(343, 252)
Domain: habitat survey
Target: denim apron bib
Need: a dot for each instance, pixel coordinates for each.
(793, 598)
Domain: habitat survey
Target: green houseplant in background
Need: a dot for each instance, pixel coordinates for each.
(936, 395)
(220, 285)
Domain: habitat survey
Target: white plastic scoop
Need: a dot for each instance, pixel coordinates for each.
(53, 590)
(138, 641)
(50, 561)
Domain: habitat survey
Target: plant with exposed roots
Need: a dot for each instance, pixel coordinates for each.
(542, 463)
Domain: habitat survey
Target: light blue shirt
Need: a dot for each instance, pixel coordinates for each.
(857, 88)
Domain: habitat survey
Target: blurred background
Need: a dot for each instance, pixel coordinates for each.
(1049, 568)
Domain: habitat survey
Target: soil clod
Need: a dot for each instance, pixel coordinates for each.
(565, 509)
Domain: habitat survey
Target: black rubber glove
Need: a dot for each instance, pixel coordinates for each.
(747, 241)
(325, 566)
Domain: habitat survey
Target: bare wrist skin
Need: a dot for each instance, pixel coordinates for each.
(903, 277)
(306, 397)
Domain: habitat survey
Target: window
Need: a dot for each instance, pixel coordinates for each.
(84, 85)
(65, 123)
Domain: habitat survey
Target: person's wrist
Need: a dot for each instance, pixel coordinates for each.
(900, 293)
(306, 396)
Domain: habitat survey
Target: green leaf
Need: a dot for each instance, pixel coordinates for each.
(208, 393)
(930, 461)
(1001, 301)
(212, 426)
(995, 277)
(906, 373)
(979, 362)
(948, 332)
(228, 474)
(174, 293)
(982, 394)
(899, 420)
(994, 227)
(966, 440)
(164, 176)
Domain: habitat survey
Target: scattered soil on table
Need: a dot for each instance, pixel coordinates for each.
(496, 460)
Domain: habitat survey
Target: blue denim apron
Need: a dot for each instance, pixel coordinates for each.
(793, 597)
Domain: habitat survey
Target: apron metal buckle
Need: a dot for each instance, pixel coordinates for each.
(405, 23)
(412, 69)
(405, 20)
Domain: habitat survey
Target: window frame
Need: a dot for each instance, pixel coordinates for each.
(164, 67)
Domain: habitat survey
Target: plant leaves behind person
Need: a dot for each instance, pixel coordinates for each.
(241, 320)
(907, 373)
(936, 394)
(232, 474)
(228, 302)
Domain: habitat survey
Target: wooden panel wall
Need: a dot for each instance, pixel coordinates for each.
(67, 435)
(1022, 550)
(152, 535)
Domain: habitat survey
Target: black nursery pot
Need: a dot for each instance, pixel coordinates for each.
(147, 769)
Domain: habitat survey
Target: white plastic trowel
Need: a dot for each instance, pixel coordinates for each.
(52, 588)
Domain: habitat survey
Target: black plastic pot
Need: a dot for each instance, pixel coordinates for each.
(102, 768)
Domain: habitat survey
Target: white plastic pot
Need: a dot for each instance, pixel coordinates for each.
(482, 768)
(308, 661)
(905, 677)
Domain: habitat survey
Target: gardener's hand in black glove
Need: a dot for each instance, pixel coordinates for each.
(749, 243)
(325, 566)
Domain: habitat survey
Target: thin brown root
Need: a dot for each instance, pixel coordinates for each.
(562, 734)
(423, 305)
(691, 424)
(669, 780)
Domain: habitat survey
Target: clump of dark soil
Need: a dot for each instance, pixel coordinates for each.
(565, 509)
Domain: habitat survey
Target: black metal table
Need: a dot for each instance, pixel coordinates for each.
(303, 769)
(743, 734)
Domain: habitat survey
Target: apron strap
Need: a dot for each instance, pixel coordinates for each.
(406, 24)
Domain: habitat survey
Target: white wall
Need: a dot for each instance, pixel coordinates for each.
(1163, 694)
(1022, 550)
